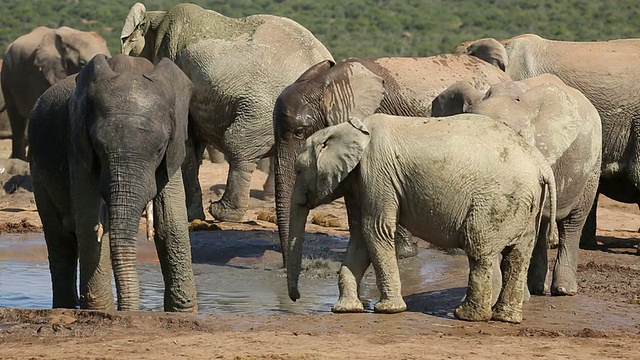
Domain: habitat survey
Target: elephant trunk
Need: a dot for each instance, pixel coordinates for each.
(126, 202)
(284, 179)
(298, 220)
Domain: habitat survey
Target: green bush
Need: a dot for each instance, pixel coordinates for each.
(361, 28)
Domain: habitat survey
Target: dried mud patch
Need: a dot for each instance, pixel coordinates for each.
(23, 226)
(610, 281)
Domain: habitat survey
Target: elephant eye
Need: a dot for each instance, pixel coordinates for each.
(300, 133)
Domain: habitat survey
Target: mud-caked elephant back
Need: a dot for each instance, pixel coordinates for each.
(351, 90)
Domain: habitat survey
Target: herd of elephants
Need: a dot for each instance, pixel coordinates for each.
(496, 149)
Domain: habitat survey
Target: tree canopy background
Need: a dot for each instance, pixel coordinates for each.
(360, 28)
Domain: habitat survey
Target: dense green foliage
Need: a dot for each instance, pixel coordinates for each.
(361, 28)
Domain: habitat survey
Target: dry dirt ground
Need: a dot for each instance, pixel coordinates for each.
(601, 322)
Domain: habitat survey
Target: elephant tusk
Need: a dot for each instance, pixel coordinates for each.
(102, 219)
(150, 229)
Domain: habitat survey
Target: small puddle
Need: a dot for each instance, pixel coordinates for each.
(236, 272)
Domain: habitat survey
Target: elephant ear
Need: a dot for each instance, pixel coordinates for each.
(557, 121)
(352, 91)
(182, 89)
(316, 70)
(97, 70)
(489, 50)
(456, 99)
(128, 35)
(48, 57)
(339, 150)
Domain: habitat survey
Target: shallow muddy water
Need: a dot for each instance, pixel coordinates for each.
(235, 271)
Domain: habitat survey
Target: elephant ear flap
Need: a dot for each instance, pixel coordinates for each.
(315, 70)
(182, 88)
(456, 99)
(354, 92)
(96, 70)
(558, 121)
(339, 150)
(48, 58)
(134, 18)
(491, 51)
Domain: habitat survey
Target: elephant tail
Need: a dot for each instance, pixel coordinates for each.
(549, 181)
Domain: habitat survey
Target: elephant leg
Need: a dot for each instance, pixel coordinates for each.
(190, 174)
(514, 264)
(355, 263)
(379, 227)
(405, 246)
(476, 305)
(235, 200)
(62, 249)
(588, 235)
(537, 273)
(173, 246)
(18, 131)
(94, 252)
(269, 187)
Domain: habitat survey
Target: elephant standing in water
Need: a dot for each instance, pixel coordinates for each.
(103, 146)
(465, 181)
(565, 127)
(606, 72)
(35, 61)
(238, 68)
(328, 94)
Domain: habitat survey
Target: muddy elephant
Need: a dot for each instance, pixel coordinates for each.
(561, 122)
(35, 61)
(337, 91)
(465, 181)
(239, 67)
(116, 136)
(606, 73)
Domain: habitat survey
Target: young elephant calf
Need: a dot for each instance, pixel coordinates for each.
(466, 181)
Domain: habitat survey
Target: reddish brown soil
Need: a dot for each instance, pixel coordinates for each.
(602, 321)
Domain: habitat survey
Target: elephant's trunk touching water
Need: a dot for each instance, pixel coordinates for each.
(284, 179)
(296, 240)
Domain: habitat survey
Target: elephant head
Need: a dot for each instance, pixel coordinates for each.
(128, 130)
(326, 94)
(541, 111)
(64, 51)
(138, 36)
(327, 158)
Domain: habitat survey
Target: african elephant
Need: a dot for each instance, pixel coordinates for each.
(465, 181)
(561, 122)
(341, 90)
(37, 60)
(606, 73)
(116, 136)
(238, 67)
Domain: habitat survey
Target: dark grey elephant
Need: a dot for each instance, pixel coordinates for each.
(465, 181)
(606, 73)
(238, 67)
(106, 145)
(565, 127)
(37, 60)
(338, 91)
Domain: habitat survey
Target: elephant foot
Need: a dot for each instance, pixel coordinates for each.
(390, 306)
(195, 213)
(344, 305)
(535, 287)
(405, 246)
(505, 313)
(222, 212)
(564, 283)
(469, 312)
(564, 289)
